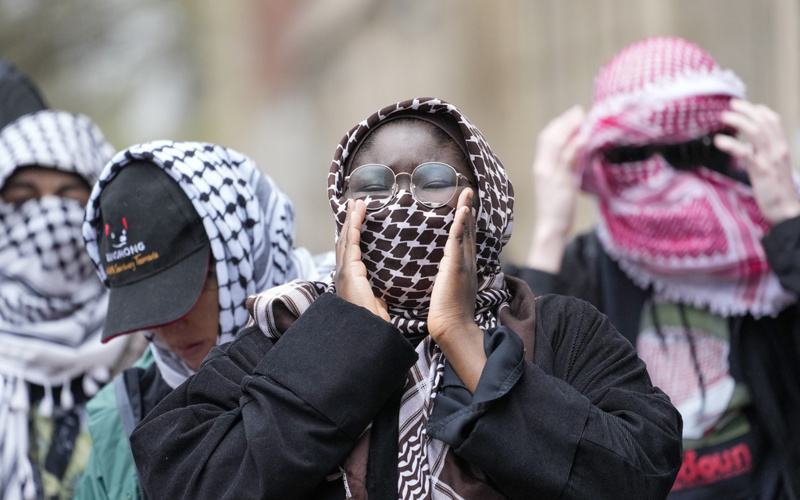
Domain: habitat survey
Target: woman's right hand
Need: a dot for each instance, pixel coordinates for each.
(350, 277)
(556, 188)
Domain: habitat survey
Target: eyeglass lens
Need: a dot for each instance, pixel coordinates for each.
(432, 184)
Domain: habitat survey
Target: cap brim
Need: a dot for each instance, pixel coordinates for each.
(159, 299)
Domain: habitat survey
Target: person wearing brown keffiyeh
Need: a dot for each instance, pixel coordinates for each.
(421, 371)
(694, 257)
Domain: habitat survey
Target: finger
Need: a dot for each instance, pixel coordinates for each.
(765, 120)
(340, 239)
(755, 112)
(465, 198)
(470, 227)
(250, 303)
(570, 152)
(743, 123)
(457, 228)
(455, 237)
(734, 147)
(744, 107)
(463, 229)
(564, 126)
(571, 119)
(352, 240)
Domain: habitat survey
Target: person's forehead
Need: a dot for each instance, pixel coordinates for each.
(406, 144)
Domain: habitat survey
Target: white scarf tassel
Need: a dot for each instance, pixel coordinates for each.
(46, 406)
(94, 378)
(67, 399)
(15, 443)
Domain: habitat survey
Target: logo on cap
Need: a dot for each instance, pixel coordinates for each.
(118, 237)
(118, 241)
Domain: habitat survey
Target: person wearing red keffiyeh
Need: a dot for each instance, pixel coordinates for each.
(421, 371)
(695, 257)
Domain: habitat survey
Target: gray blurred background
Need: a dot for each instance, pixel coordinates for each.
(283, 80)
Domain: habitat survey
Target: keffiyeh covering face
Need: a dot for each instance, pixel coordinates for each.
(400, 227)
(52, 305)
(248, 219)
(692, 235)
(392, 237)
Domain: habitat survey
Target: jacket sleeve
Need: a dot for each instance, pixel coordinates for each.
(272, 421)
(583, 421)
(782, 245)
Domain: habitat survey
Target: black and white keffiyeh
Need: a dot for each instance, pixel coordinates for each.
(54, 139)
(421, 458)
(248, 219)
(52, 306)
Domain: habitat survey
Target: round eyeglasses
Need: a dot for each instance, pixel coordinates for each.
(433, 184)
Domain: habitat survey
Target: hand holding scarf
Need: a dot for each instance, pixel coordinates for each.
(556, 188)
(765, 156)
(350, 278)
(451, 318)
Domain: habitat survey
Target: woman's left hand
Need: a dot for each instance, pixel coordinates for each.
(451, 318)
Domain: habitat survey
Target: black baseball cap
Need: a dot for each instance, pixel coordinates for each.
(153, 248)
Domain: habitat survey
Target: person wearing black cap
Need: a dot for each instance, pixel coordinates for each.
(52, 305)
(181, 233)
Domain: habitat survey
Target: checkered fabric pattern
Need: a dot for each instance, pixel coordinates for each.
(692, 235)
(47, 232)
(52, 306)
(54, 139)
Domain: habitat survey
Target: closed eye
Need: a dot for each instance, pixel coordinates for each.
(435, 184)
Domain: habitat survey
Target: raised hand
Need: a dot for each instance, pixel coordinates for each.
(556, 188)
(350, 277)
(765, 153)
(451, 318)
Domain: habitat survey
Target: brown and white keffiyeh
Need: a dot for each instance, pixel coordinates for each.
(421, 458)
(694, 236)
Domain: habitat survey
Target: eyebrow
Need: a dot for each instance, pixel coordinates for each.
(18, 184)
(70, 187)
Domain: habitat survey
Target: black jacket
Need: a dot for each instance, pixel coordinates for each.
(765, 352)
(264, 419)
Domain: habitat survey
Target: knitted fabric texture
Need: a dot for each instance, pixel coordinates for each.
(694, 236)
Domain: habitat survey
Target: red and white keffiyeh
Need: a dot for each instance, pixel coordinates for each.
(694, 236)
